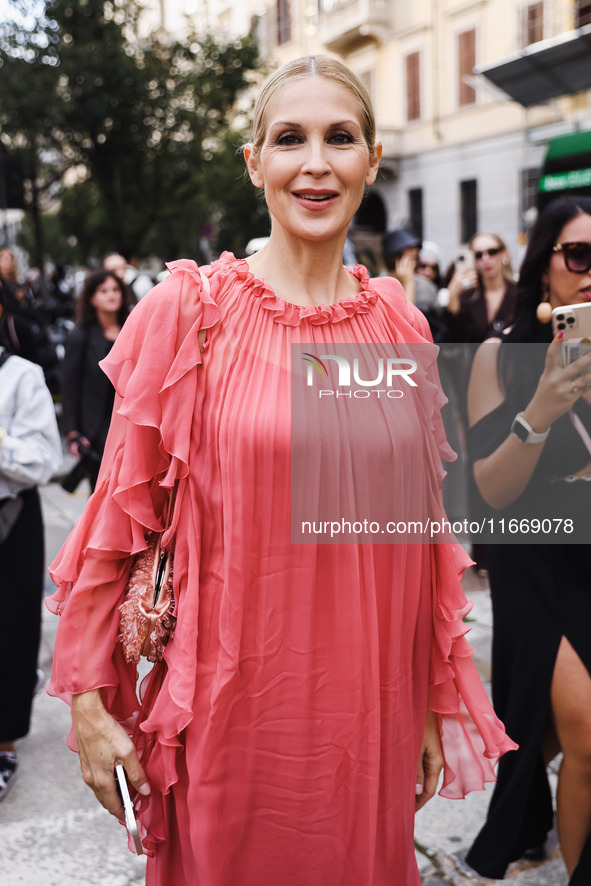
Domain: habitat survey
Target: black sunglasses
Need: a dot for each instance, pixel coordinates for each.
(577, 256)
(482, 252)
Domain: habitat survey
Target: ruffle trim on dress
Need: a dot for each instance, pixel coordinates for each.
(289, 314)
(153, 366)
(472, 736)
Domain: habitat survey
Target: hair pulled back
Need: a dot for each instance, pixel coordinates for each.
(313, 66)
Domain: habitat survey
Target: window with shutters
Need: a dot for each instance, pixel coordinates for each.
(468, 209)
(532, 24)
(466, 62)
(413, 86)
(583, 15)
(415, 211)
(283, 22)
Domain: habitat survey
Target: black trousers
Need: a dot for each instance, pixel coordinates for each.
(21, 592)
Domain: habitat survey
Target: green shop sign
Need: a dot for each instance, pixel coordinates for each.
(565, 181)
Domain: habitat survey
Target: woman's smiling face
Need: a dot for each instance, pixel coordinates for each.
(314, 162)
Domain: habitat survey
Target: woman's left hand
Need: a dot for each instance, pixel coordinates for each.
(430, 762)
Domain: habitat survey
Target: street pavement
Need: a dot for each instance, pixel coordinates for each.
(54, 833)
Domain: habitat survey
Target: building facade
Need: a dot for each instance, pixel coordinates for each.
(459, 154)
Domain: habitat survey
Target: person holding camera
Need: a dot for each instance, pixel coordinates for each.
(88, 395)
(480, 298)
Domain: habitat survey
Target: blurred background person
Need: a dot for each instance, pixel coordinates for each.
(481, 292)
(530, 421)
(429, 263)
(19, 327)
(87, 396)
(126, 266)
(479, 302)
(13, 290)
(27, 321)
(60, 294)
(30, 453)
(400, 250)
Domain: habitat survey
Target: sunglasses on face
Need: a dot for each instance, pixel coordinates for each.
(480, 253)
(577, 256)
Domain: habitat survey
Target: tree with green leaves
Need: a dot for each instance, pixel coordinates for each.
(133, 136)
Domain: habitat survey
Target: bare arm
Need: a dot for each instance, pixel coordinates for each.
(102, 744)
(502, 476)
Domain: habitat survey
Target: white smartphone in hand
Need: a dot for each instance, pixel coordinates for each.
(574, 321)
(130, 822)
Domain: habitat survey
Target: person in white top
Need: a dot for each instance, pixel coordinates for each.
(30, 453)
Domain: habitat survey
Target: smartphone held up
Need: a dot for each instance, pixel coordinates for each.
(574, 321)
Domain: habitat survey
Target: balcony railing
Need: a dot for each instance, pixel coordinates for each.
(344, 23)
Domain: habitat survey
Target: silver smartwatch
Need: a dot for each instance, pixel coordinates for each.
(524, 431)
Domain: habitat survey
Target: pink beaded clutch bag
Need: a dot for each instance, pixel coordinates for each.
(146, 616)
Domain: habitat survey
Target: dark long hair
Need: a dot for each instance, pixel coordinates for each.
(86, 310)
(535, 264)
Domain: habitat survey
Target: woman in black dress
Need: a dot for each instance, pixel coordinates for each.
(530, 419)
(88, 394)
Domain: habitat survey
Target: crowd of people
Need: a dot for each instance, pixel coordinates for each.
(312, 694)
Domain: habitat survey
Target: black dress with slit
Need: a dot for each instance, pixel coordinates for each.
(541, 591)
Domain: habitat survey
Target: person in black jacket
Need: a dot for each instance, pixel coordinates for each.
(87, 395)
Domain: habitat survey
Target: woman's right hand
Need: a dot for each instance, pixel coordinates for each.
(102, 744)
(558, 389)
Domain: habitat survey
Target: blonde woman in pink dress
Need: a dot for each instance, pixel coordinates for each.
(312, 692)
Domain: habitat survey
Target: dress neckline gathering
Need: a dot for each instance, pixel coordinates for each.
(290, 314)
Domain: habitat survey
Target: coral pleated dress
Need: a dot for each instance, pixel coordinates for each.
(281, 734)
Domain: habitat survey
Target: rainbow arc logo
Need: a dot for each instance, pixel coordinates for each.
(315, 361)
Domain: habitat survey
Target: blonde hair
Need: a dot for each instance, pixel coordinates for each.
(507, 269)
(313, 66)
(6, 250)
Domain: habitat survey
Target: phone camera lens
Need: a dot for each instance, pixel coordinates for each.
(570, 320)
(560, 316)
(561, 325)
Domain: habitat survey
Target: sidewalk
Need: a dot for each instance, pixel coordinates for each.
(445, 829)
(54, 833)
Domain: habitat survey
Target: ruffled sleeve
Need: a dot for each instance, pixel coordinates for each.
(472, 737)
(153, 366)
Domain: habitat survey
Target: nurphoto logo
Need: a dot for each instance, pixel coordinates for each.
(386, 371)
